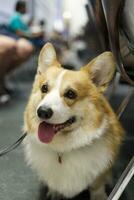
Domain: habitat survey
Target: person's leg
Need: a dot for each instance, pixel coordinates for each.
(7, 49)
(24, 50)
(12, 54)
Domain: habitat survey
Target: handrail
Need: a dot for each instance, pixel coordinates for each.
(123, 181)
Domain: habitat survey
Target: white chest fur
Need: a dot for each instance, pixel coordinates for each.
(78, 170)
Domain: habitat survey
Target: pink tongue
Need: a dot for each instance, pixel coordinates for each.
(46, 132)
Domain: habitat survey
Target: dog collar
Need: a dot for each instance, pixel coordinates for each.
(59, 157)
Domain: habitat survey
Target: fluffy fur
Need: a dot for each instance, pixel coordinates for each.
(89, 147)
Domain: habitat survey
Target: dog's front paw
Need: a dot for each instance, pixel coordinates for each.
(102, 196)
(52, 195)
(98, 194)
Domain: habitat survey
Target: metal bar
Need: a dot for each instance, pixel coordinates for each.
(123, 181)
(114, 85)
(124, 103)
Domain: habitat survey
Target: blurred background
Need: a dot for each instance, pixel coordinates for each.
(79, 30)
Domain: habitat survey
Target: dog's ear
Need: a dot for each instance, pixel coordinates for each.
(101, 70)
(47, 57)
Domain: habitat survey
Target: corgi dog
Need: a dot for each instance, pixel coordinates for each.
(73, 135)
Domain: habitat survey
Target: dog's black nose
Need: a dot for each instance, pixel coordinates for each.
(44, 113)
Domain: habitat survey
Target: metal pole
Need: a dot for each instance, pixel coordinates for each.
(123, 181)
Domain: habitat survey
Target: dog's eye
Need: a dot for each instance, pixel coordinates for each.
(71, 94)
(44, 88)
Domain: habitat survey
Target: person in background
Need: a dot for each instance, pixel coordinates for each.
(16, 23)
(12, 54)
(21, 29)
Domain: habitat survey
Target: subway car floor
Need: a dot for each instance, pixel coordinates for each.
(17, 180)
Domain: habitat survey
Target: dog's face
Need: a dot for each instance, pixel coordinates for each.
(64, 101)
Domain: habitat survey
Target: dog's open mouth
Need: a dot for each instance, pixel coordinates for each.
(47, 131)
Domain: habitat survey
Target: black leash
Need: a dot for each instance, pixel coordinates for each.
(13, 146)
